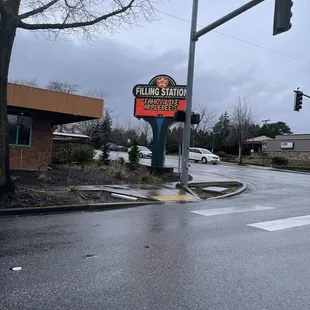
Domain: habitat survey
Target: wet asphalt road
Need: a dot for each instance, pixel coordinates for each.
(165, 257)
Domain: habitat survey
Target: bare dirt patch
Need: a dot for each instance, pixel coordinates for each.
(34, 187)
(198, 190)
(35, 197)
(67, 175)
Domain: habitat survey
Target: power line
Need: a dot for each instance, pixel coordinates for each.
(240, 40)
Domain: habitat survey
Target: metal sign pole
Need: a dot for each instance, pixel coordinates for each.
(194, 36)
(189, 95)
(179, 159)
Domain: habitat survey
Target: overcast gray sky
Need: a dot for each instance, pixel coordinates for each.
(226, 66)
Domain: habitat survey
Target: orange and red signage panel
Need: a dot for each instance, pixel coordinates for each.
(162, 97)
(145, 107)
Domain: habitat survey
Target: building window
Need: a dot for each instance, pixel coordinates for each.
(20, 126)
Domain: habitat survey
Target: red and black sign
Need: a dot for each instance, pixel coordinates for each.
(161, 97)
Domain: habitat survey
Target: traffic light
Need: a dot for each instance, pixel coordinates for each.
(298, 100)
(282, 16)
(179, 116)
(195, 118)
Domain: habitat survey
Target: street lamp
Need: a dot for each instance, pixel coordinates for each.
(265, 121)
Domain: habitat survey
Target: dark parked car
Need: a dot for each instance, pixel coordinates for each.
(113, 147)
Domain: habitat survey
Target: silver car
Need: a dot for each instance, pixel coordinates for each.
(144, 152)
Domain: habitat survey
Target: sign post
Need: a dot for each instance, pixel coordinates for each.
(156, 103)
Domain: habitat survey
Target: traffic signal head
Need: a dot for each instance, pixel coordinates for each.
(179, 116)
(282, 16)
(195, 118)
(298, 100)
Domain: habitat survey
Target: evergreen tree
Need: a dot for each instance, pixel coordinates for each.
(105, 155)
(105, 130)
(133, 156)
(95, 136)
(275, 129)
(221, 131)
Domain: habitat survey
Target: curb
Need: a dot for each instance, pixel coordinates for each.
(259, 167)
(76, 208)
(290, 171)
(190, 191)
(239, 191)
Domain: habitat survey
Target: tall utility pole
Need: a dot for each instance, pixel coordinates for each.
(282, 23)
(213, 140)
(194, 36)
(189, 97)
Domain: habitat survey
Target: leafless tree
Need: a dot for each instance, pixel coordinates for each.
(87, 127)
(207, 117)
(66, 88)
(242, 118)
(84, 127)
(145, 128)
(55, 18)
(43, 153)
(63, 87)
(26, 82)
(144, 131)
(96, 93)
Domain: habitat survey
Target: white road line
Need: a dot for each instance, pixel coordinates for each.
(230, 210)
(283, 224)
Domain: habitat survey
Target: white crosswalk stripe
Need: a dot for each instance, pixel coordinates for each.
(231, 210)
(283, 223)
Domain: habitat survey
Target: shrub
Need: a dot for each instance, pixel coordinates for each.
(150, 179)
(117, 172)
(122, 161)
(42, 177)
(279, 161)
(62, 157)
(82, 154)
(104, 158)
(221, 154)
(73, 189)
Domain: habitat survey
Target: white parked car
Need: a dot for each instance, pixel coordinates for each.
(202, 155)
(144, 152)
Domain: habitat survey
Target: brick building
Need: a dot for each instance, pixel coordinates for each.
(32, 115)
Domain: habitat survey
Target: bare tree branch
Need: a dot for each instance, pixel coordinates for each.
(90, 22)
(144, 128)
(54, 18)
(241, 120)
(37, 10)
(26, 82)
(85, 127)
(96, 93)
(207, 117)
(63, 87)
